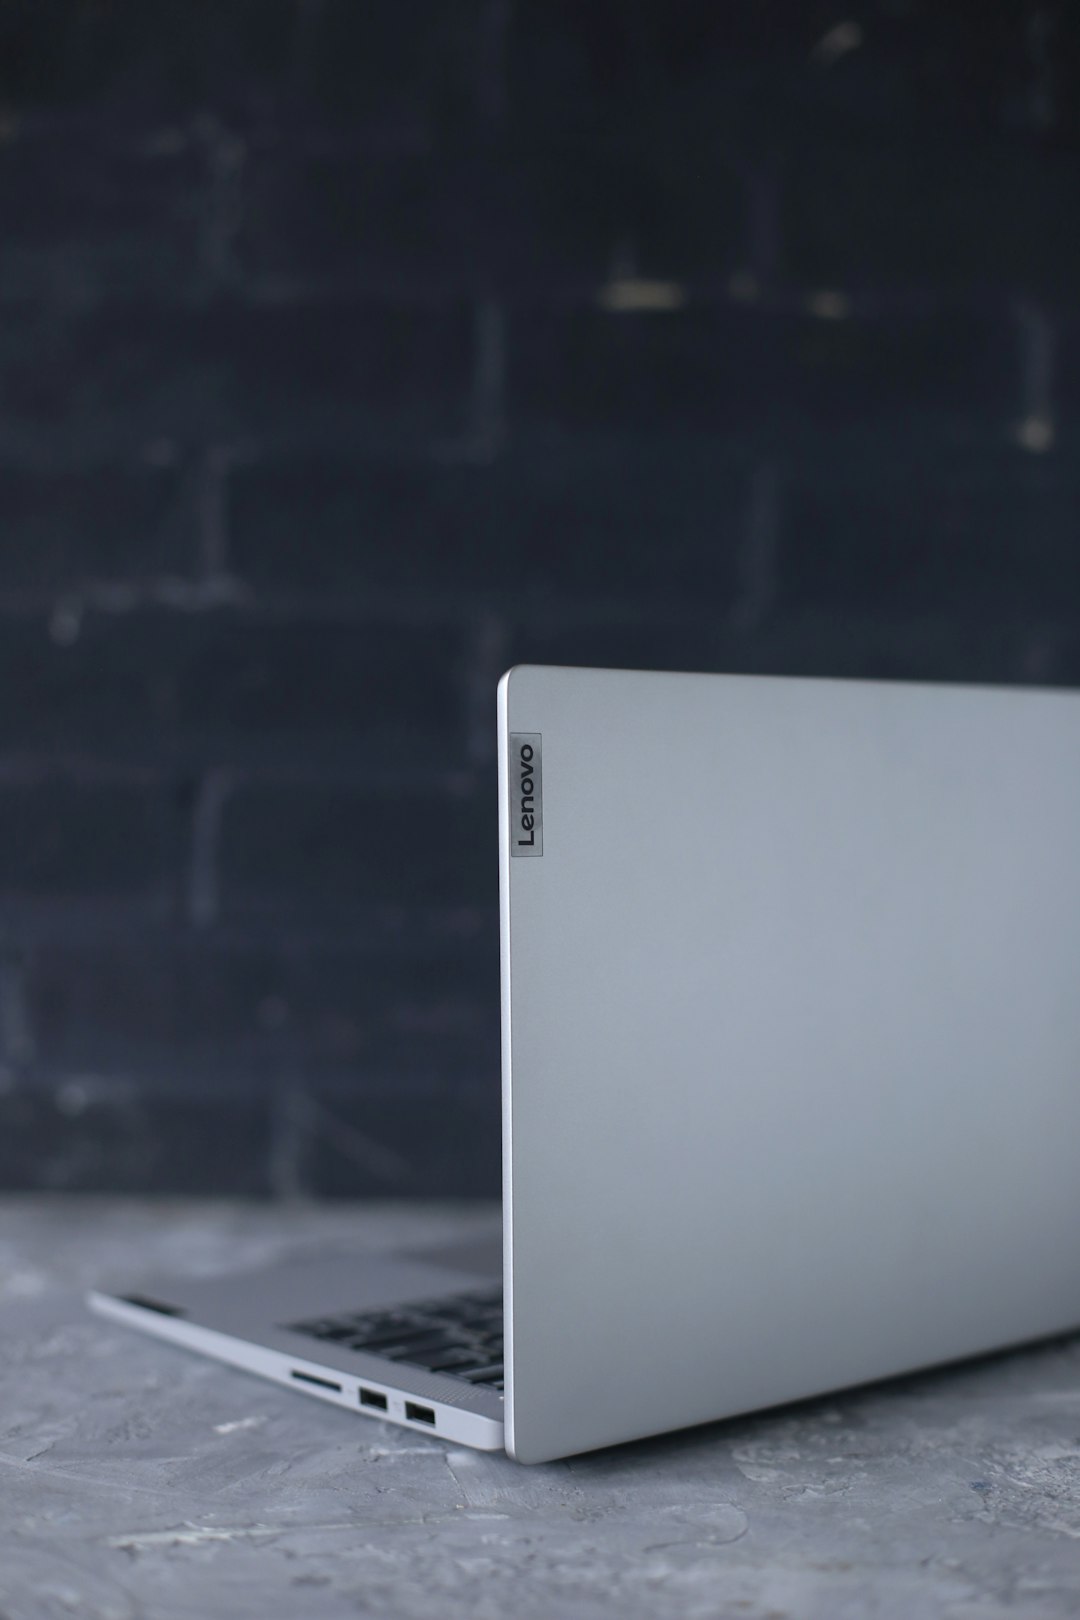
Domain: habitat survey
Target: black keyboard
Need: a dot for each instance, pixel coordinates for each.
(459, 1334)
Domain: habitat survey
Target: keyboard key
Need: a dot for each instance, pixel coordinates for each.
(460, 1335)
(418, 1349)
(456, 1361)
(485, 1375)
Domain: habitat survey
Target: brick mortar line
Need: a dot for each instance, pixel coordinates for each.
(50, 766)
(503, 607)
(744, 287)
(429, 934)
(172, 1082)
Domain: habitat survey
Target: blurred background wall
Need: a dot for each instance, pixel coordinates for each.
(352, 350)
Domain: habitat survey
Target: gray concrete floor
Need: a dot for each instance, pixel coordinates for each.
(138, 1480)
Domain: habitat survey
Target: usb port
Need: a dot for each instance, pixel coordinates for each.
(371, 1397)
(419, 1414)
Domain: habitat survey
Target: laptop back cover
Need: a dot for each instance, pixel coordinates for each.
(791, 1026)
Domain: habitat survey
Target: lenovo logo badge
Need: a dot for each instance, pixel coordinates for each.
(526, 794)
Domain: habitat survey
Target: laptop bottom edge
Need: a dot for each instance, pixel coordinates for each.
(387, 1397)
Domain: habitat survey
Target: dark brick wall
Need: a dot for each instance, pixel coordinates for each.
(350, 352)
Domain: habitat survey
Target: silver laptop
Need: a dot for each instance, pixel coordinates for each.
(791, 1070)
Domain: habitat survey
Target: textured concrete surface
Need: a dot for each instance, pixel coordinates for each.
(138, 1480)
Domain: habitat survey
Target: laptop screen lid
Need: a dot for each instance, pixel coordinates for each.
(791, 1038)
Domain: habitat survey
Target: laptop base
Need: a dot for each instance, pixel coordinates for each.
(251, 1321)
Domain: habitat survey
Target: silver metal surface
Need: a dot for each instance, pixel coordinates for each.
(248, 1319)
(791, 1025)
